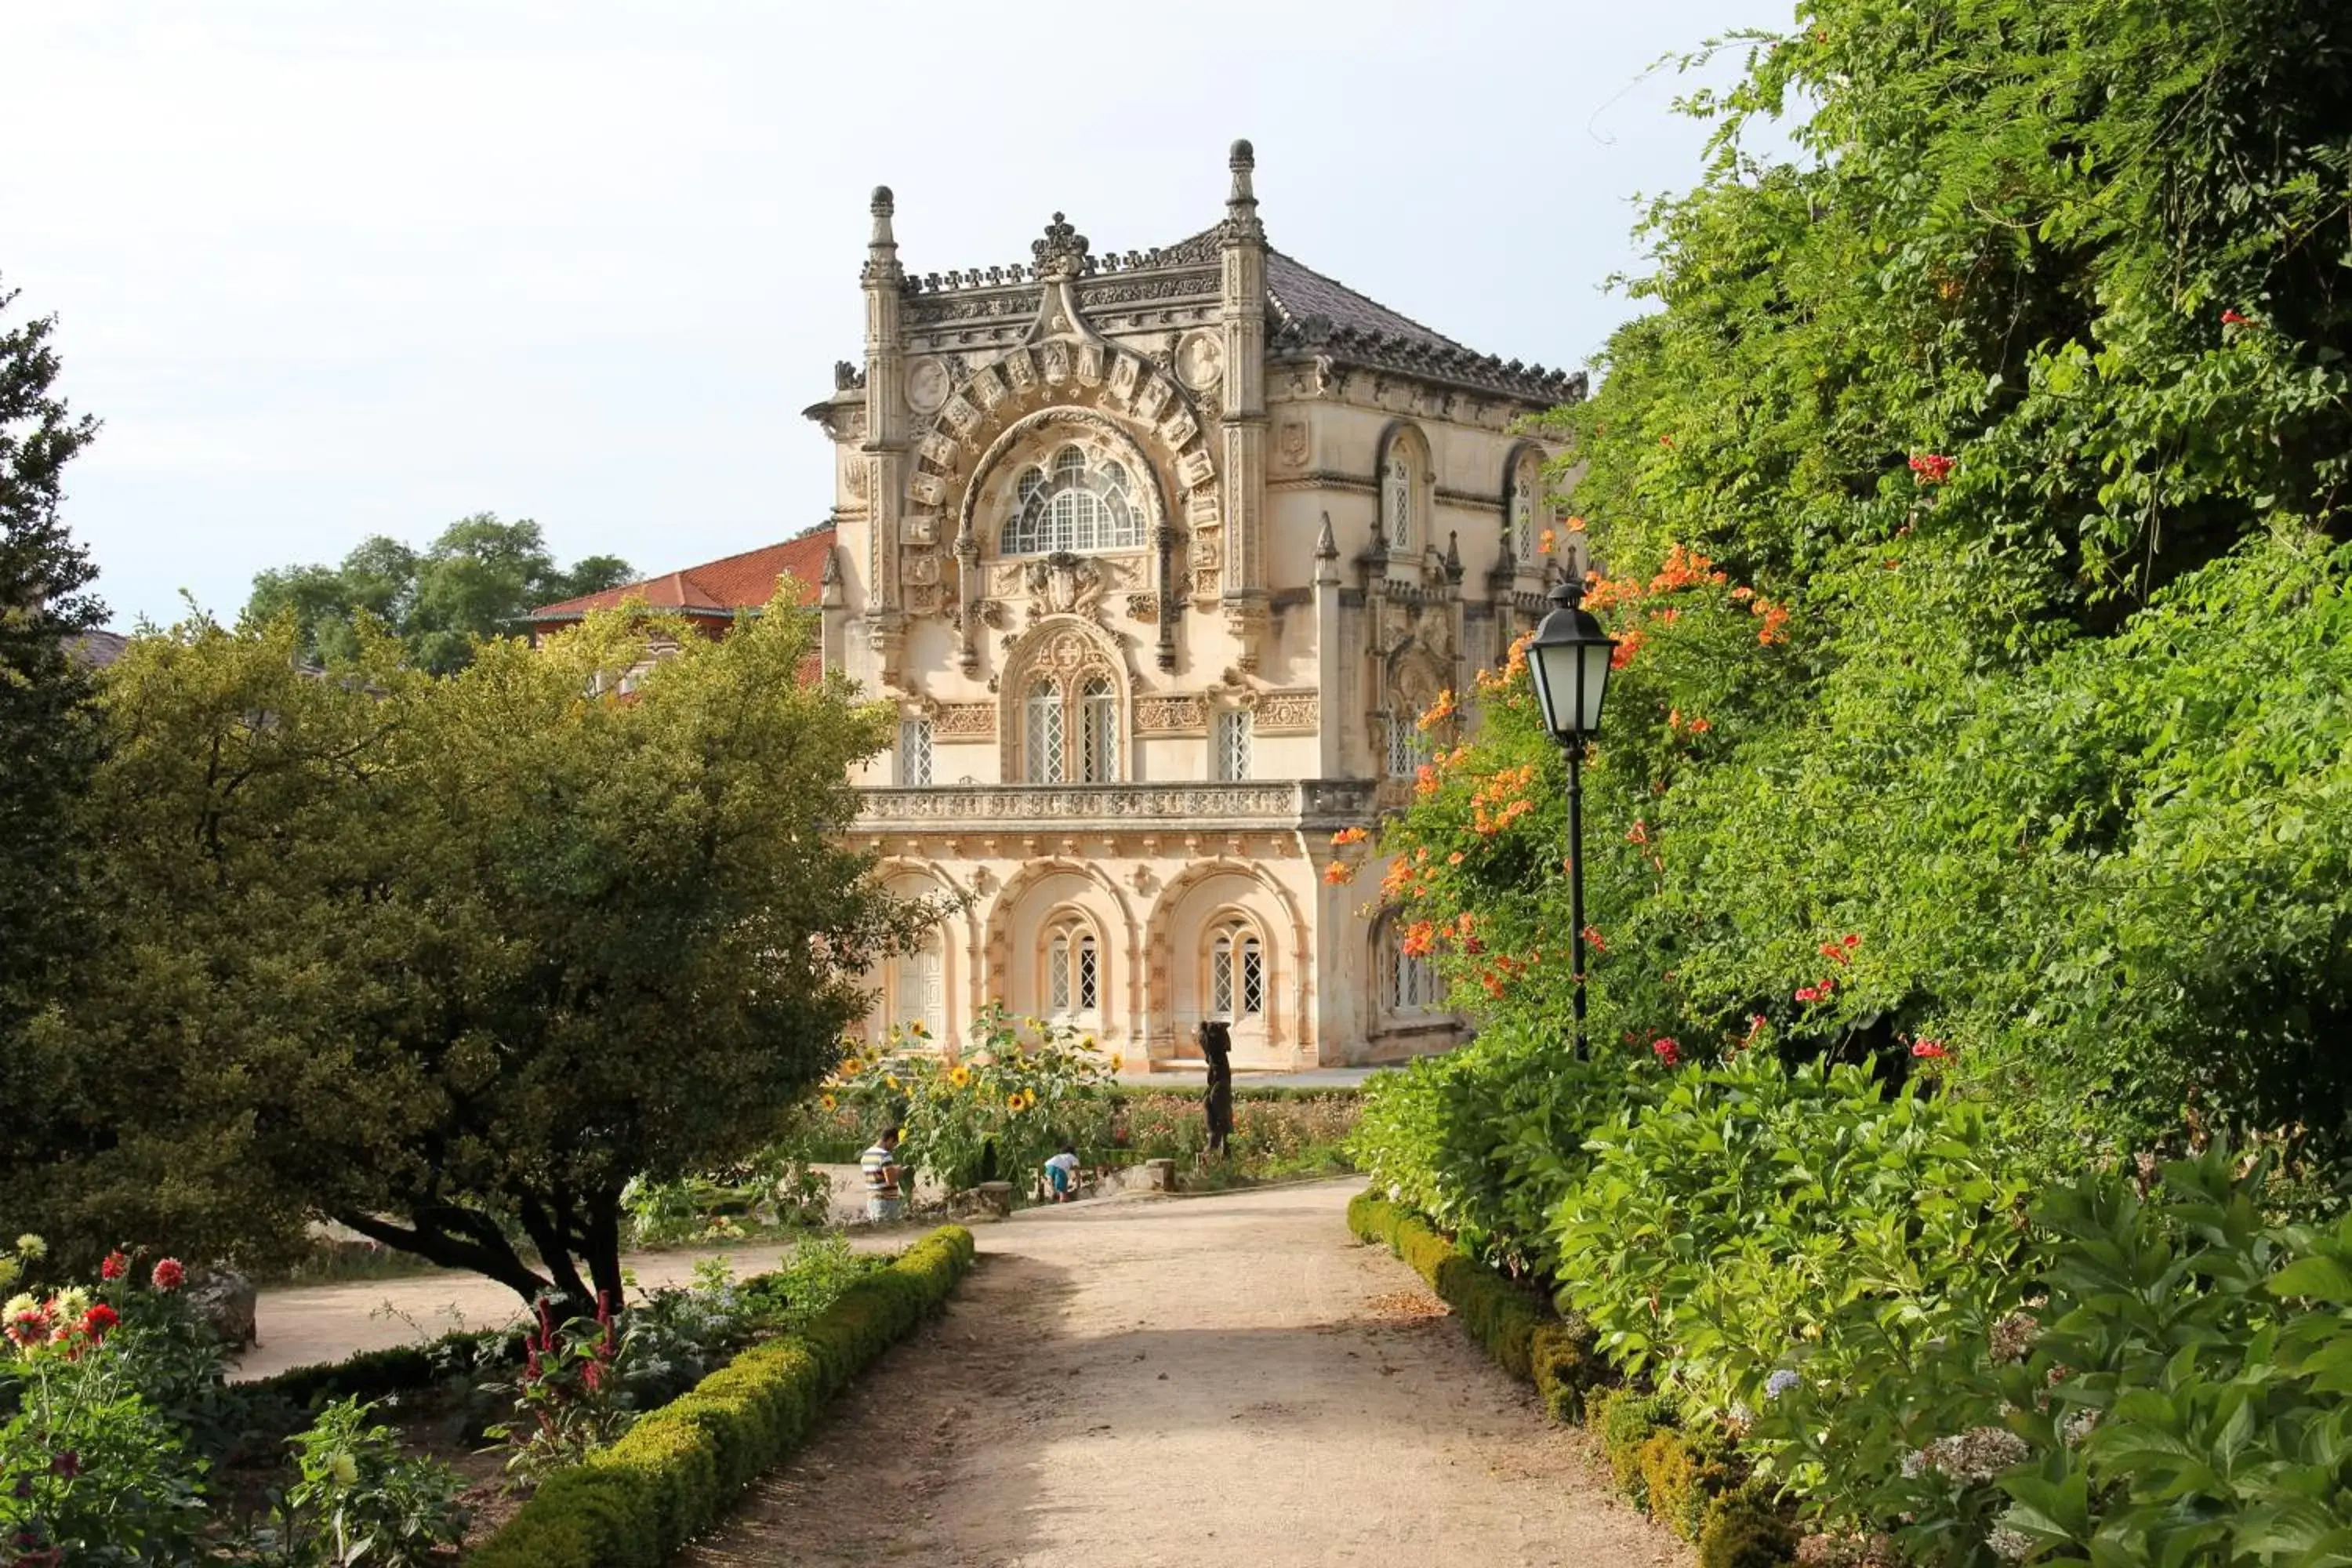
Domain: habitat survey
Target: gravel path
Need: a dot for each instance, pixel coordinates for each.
(1136, 1382)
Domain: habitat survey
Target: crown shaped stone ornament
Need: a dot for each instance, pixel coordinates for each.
(1062, 253)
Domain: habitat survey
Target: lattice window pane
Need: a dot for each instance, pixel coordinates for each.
(1057, 975)
(1073, 508)
(1089, 973)
(1220, 978)
(1400, 502)
(1231, 758)
(1524, 519)
(1408, 747)
(1047, 761)
(1069, 463)
(1252, 977)
(1098, 733)
(915, 750)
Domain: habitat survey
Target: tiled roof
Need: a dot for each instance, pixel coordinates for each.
(97, 648)
(716, 588)
(1297, 291)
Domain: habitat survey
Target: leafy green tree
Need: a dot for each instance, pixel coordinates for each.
(47, 731)
(1974, 511)
(467, 584)
(452, 959)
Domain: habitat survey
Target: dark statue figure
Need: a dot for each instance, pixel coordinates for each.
(1217, 1047)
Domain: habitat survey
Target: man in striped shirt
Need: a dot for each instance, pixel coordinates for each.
(880, 1164)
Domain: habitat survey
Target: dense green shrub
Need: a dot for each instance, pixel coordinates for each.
(2181, 1394)
(674, 1471)
(1753, 1219)
(1297, 1132)
(1499, 1315)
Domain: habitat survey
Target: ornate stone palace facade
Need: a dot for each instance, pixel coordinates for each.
(1159, 556)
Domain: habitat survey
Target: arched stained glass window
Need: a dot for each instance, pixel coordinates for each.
(1073, 506)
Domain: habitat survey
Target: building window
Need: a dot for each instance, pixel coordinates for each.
(1099, 732)
(1412, 983)
(914, 751)
(1408, 743)
(1524, 492)
(922, 994)
(1074, 506)
(1057, 972)
(1073, 971)
(1399, 498)
(1047, 756)
(1236, 974)
(1231, 743)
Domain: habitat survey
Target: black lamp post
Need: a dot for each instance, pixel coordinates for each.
(1568, 661)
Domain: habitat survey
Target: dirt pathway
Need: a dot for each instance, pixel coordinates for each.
(1224, 1379)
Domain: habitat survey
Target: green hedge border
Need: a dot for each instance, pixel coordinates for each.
(1690, 1480)
(674, 1472)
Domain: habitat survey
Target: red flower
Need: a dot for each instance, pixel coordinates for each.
(2232, 318)
(169, 1275)
(1666, 1051)
(1930, 1048)
(1592, 939)
(1852, 940)
(115, 1267)
(1931, 467)
(98, 1320)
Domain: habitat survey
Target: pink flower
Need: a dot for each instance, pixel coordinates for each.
(115, 1267)
(170, 1274)
(1930, 1049)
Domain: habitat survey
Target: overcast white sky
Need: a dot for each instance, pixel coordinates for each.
(332, 268)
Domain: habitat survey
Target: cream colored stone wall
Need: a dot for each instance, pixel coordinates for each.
(1256, 583)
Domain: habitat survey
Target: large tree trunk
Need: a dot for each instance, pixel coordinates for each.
(454, 1238)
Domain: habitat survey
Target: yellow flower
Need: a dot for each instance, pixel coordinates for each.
(1014, 1101)
(890, 1078)
(828, 1101)
(1117, 1061)
(960, 1076)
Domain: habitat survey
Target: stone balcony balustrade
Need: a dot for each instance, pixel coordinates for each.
(1307, 804)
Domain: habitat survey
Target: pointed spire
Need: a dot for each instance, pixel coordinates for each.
(1243, 162)
(882, 249)
(1326, 545)
(1454, 553)
(1241, 206)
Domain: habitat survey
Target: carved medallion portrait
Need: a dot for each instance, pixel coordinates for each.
(1201, 360)
(927, 385)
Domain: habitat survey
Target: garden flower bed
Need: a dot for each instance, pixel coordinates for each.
(121, 1441)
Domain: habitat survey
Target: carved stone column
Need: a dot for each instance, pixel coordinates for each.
(885, 450)
(1241, 240)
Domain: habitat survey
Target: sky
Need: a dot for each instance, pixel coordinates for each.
(326, 271)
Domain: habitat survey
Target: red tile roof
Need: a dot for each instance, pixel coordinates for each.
(715, 589)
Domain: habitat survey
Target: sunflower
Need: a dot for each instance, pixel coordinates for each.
(1117, 1061)
(890, 1078)
(960, 1076)
(1016, 1101)
(828, 1101)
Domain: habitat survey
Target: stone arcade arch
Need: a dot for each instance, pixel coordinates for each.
(1185, 917)
(1032, 902)
(905, 978)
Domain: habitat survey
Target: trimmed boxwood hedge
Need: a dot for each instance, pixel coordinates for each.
(674, 1472)
(1691, 1481)
(371, 1374)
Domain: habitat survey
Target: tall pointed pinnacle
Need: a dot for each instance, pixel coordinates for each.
(1327, 555)
(1241, 206)
(882, 249)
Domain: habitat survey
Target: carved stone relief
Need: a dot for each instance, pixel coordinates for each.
(964, 721)
(1290, 443)
(1171, 716)
(1201, 360)
(1062, 584)
(927, 385)
(1288, 714)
